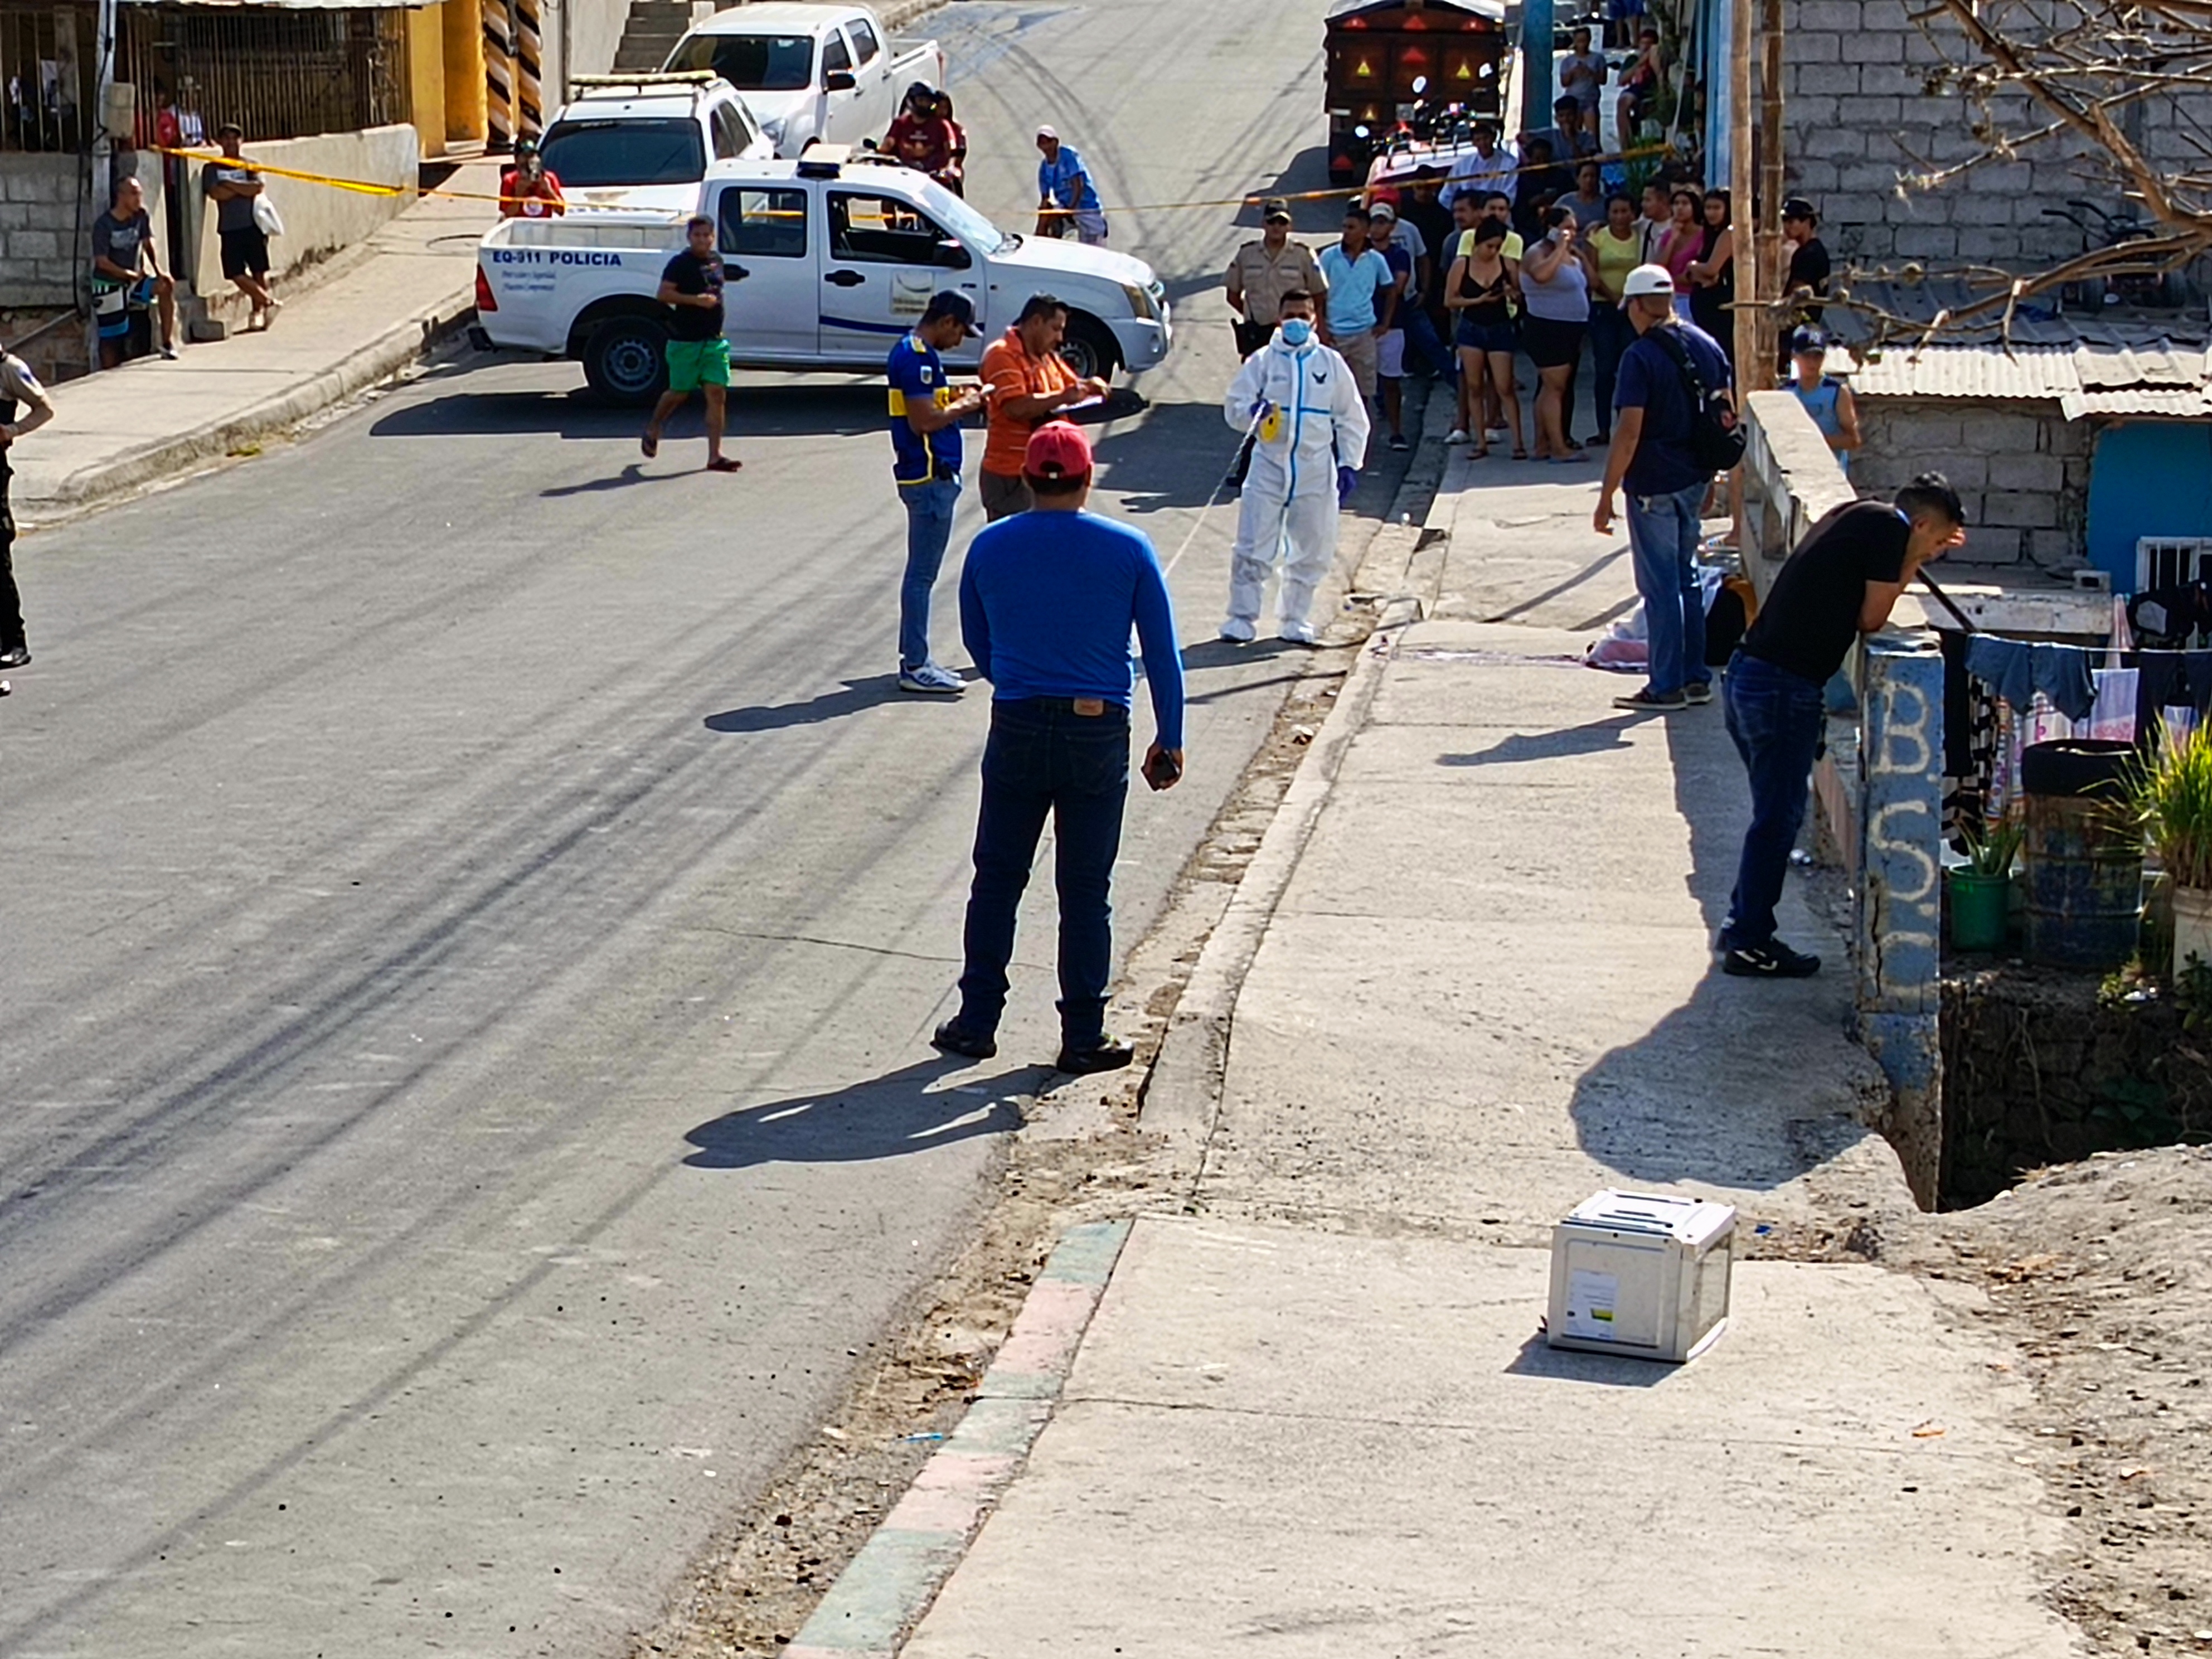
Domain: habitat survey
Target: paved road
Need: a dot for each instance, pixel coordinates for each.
(471, 915)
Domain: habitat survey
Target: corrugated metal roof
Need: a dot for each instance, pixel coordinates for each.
(2134, 364)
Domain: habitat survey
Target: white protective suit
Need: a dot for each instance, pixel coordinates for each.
(1317, 422)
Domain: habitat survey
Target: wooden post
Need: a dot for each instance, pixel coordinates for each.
(1771, 265)
(1741, 215)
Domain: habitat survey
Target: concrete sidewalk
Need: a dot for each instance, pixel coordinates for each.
(364, 320)
(1314, 1414)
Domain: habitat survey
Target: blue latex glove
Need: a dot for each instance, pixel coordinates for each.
(1259, 408)
(1347, 480)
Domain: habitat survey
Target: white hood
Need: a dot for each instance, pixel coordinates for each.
(772, 109)
(1046, 254)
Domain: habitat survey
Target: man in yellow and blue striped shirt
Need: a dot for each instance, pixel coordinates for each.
(925, 416)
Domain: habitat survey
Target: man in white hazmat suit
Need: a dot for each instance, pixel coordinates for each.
(1308, 423)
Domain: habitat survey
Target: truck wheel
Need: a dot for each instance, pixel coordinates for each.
(1090, 349)
(624, 361)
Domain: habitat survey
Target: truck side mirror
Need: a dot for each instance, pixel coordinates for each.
(953, 256)
(839, 81)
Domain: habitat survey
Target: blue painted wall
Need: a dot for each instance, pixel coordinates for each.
(2148, 479)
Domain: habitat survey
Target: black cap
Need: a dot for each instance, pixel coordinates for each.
(946, 303)
(227, 128)
(1275, 208)
(1807, 339)
(1796, 207)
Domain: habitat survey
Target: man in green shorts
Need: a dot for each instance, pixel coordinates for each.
(698, 355)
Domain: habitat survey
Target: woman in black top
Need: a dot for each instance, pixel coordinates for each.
(1480, 292)
(1712, 275)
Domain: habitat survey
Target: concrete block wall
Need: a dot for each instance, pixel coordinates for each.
(46, 219)
(1858, 113)
(318, 221)
(2021, 469)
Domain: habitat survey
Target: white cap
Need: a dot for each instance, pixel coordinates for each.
(1647, 280)
(1382, 210)
(1049, 132)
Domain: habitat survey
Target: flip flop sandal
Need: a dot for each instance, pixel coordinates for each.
(723, 463)
(650, 444)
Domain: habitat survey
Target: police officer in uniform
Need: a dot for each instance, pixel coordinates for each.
(24, 407)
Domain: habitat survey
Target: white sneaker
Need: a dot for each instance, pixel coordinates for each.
(929, 677)
(1458, 436)
(1237, 631)
(1297, 633)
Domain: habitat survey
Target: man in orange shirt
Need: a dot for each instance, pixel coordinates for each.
(1027, 382)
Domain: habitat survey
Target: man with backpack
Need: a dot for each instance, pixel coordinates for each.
(1675, 427)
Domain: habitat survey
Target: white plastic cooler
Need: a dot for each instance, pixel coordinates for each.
(1641, 1273)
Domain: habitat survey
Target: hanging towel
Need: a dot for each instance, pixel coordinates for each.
(2113, 718)
(2198, 667)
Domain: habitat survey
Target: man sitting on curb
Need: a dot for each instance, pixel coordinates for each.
(1046, 601)
(1841, 582)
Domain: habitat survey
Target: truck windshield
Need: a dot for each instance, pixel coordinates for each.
(751, 63)
(965, 222)
(598, 154)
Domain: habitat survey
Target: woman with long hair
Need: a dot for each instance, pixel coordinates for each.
(1479, 292)
(1712, 274)
(1555, 288)
(1679, 245)
(955, 176)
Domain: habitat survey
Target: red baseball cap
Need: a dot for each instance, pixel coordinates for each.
(1058, 450)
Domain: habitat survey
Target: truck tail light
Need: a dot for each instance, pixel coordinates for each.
(484, 300)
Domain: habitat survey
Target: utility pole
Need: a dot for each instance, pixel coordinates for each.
(99, 152)
(1771, 189)
(1536, 31)
(1741, 213)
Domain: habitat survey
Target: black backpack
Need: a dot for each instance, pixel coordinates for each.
(1716, 439)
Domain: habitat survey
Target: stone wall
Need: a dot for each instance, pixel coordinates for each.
(1858, 113)
(2040, 1068)
(2021, 469)
(45, 219)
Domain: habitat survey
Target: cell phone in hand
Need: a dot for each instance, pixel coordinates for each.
(1162, 769)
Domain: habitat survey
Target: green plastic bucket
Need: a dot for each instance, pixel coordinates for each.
(1979, 908)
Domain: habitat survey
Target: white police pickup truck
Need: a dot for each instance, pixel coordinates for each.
(840, 257)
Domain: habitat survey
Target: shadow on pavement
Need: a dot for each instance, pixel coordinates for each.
(1596, 739)
(768, 410)
(1538, 1358)
(1749, 1083)
(870, 693)
(1181, 453)
(889, 1116)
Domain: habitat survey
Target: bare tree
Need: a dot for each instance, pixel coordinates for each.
(2087, 82)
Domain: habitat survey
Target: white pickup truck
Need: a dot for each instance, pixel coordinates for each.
(643, 141)
(840, 256)
(812, 73)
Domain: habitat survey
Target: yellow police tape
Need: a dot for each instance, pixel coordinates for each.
(371, 187)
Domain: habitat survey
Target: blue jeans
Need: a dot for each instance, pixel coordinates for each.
(1421, 337)
(1776, 719)
(1663, 538)
(1610, 333)
(1042, 757)
(929, 508)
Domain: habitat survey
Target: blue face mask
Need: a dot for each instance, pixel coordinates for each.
(1297, 330)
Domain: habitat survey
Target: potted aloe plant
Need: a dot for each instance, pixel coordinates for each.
(2173, 802)
(1981, 888)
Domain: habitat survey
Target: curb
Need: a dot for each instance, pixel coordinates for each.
(886, 1589)
(1182, 1096)
(404, 343)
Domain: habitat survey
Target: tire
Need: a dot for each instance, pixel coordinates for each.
(1091, 349)
(625, 359)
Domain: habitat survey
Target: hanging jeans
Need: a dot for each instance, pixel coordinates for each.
(1662, 537)
(1774, 718)
(929, 510)
(1044, 757)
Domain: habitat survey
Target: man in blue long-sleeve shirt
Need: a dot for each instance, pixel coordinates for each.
(1047, 600)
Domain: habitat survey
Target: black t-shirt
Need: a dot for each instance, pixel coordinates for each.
(1810, 619)
(1434, 220)
(693, 274)
(1808, 268)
